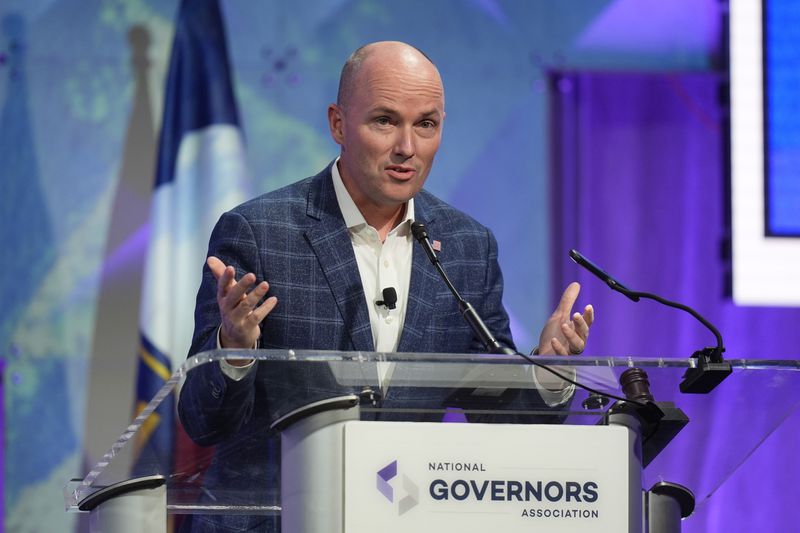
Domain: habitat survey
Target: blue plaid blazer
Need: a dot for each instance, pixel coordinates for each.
(296, 239)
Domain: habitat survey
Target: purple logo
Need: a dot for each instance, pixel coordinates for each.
(411, 499)
(384, 475)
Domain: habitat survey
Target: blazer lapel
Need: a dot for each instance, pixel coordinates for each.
(330, 241)
(422, 288)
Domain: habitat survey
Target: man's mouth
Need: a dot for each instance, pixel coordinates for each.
(400, 172)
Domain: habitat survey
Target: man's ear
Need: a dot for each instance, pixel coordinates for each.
(336, 123)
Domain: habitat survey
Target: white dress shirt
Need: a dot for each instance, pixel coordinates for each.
(380, 265)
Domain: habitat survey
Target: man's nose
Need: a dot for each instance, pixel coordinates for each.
(404, 143)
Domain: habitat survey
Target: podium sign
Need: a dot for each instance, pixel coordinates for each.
(433, 477)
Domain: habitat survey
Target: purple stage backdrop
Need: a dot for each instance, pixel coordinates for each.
(639, 187)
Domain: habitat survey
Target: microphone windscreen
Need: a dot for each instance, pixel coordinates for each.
(389, 297)
(419, 231)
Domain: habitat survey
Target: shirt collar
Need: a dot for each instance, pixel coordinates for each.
(353, 218)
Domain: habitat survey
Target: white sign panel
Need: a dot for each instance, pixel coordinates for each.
(433, 477)
(765, 268)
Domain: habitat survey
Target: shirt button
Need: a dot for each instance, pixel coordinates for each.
(386, 263)
(388, 320)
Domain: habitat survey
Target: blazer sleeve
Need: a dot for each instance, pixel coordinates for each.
(491, 307)
(212, 406)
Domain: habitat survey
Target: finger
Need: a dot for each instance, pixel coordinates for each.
(588, 315)
(260, 313)
(225, 282)
(558, 348)
(236, 293)
(216, 266)
(568, 298)
(247, 302)
(244, 312)
(576, 343)
(251, 299)
(580, 325)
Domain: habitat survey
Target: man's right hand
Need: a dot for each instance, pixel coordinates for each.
(241, 314)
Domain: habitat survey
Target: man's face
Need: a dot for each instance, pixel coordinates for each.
(389, 130)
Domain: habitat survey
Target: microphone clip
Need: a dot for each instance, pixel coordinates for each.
(710, 371)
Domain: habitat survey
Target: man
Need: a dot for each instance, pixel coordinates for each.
(321, 251)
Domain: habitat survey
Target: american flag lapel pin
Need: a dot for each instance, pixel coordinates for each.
(437, 245)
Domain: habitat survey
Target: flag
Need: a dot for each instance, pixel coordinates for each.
(200, 173)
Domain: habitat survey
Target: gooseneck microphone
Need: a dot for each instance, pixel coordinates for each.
(467, 311)
(711, 370)
(600, 273)
(389, 298)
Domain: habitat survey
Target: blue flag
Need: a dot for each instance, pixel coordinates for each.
(200, 173)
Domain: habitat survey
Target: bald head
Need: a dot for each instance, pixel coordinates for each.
(388, 122)
(382, 53)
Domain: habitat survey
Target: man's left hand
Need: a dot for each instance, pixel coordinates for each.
(563, 335)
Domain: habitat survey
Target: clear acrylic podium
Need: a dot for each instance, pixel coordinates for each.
(134, 489)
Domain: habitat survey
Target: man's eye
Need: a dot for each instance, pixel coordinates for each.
(427, 124)
(383, 121)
